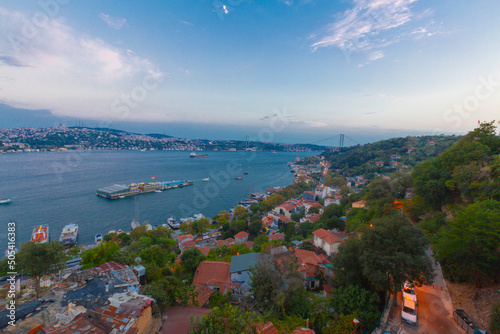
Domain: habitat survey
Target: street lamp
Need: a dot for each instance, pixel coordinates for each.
(356, 321)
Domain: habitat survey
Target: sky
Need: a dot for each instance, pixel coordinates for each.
(298, 71)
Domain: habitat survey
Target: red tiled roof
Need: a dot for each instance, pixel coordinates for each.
(109, 267)
(229, 241)
(220, 242)
(267, 221)
(188, 244)
(312, 203)
(204, 294)
(266, 328)
(249, 244)
(284, 219)
(276, 236)
(241, 235)
(184, 237)
(328, 236)
(204, 250)
(211, 272)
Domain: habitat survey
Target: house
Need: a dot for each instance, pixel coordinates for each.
(379, 164)
(267, 221)
(276, 236)
(308, 196)
(288, 208)
(327, 241)
(411, 149)
(266, 328)
(309, 266)
(126, 313)
(271, 191)
(310, 218)
(359, 204)
(241, 237)
(212, 276)
(333, 200)
(306, 179)
(393, 164)
(311, 204)
(186, 241)
(249, 244)
(301, 330)
(395, 157)
(431, 143)
(240, 269)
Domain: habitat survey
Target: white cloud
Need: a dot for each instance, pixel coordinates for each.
(65, 70)
(113, 22)
(370, 25)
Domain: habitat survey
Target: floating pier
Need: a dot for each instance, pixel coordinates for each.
(121, 191)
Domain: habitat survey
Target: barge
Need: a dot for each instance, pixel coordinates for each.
(121, 191)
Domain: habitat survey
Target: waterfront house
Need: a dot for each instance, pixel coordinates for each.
(379, 164)
(327, 241)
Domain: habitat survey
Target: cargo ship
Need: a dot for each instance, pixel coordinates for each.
(68, 235)
(40, 234)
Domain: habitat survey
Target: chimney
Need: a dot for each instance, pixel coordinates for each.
(307, 324)
(107, 287)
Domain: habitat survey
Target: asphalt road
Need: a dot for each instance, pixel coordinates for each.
(435, 309)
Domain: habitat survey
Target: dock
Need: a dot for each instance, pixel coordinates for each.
(121, 191)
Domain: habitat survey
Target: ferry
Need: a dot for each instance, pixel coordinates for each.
(69, 235)
(5, 201)
(194, 155)
(172, 223)
(40, 234)
(98, 239)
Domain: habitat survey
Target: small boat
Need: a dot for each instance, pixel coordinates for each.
(246, 173)
(5, 201)
(206, 179)
(239, 178)
(119, 231)
(172, 223)
(98, 239)
(40, 234)
(134, 224)
(121, 196)
(69, 235)
(194, 155)
(112, 232)
(157, 191)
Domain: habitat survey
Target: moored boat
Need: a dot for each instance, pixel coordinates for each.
(40, 234)
(69, 235)
(172, 223)
(98, 239)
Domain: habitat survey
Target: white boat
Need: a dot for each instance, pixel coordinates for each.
(172, 223)
(5, 201)
(69, 235)
(134, 224)
(206, 179)
(157, 191)
(98, 239)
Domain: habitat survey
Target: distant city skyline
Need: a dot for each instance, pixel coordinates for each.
(281, 70)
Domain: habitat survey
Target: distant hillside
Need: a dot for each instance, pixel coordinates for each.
(362, 159)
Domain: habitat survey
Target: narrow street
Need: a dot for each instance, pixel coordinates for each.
(435, 309)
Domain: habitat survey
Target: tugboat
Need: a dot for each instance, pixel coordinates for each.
(69, 235)
(40, 234)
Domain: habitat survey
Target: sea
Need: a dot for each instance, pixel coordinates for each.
(58, 188)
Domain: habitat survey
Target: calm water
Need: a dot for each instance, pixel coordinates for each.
(57, 188)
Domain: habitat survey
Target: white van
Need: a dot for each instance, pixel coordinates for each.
(409, 311)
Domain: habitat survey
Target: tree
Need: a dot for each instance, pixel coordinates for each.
(279, 287)
(169, 291)
(306, 245)
(96, 256)
(255, 227)
(155, 254)
(195, 227)
(290, 231)
(467, 247)
(259, 241)
(240, 213)
(38, 260)
(387, 255)
(190, 259)
(228, 319)
(353, 299)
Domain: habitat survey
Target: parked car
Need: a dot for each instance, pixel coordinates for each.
(409, 293)
(409, 311)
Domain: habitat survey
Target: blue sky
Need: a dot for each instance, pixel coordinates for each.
(280, 70)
